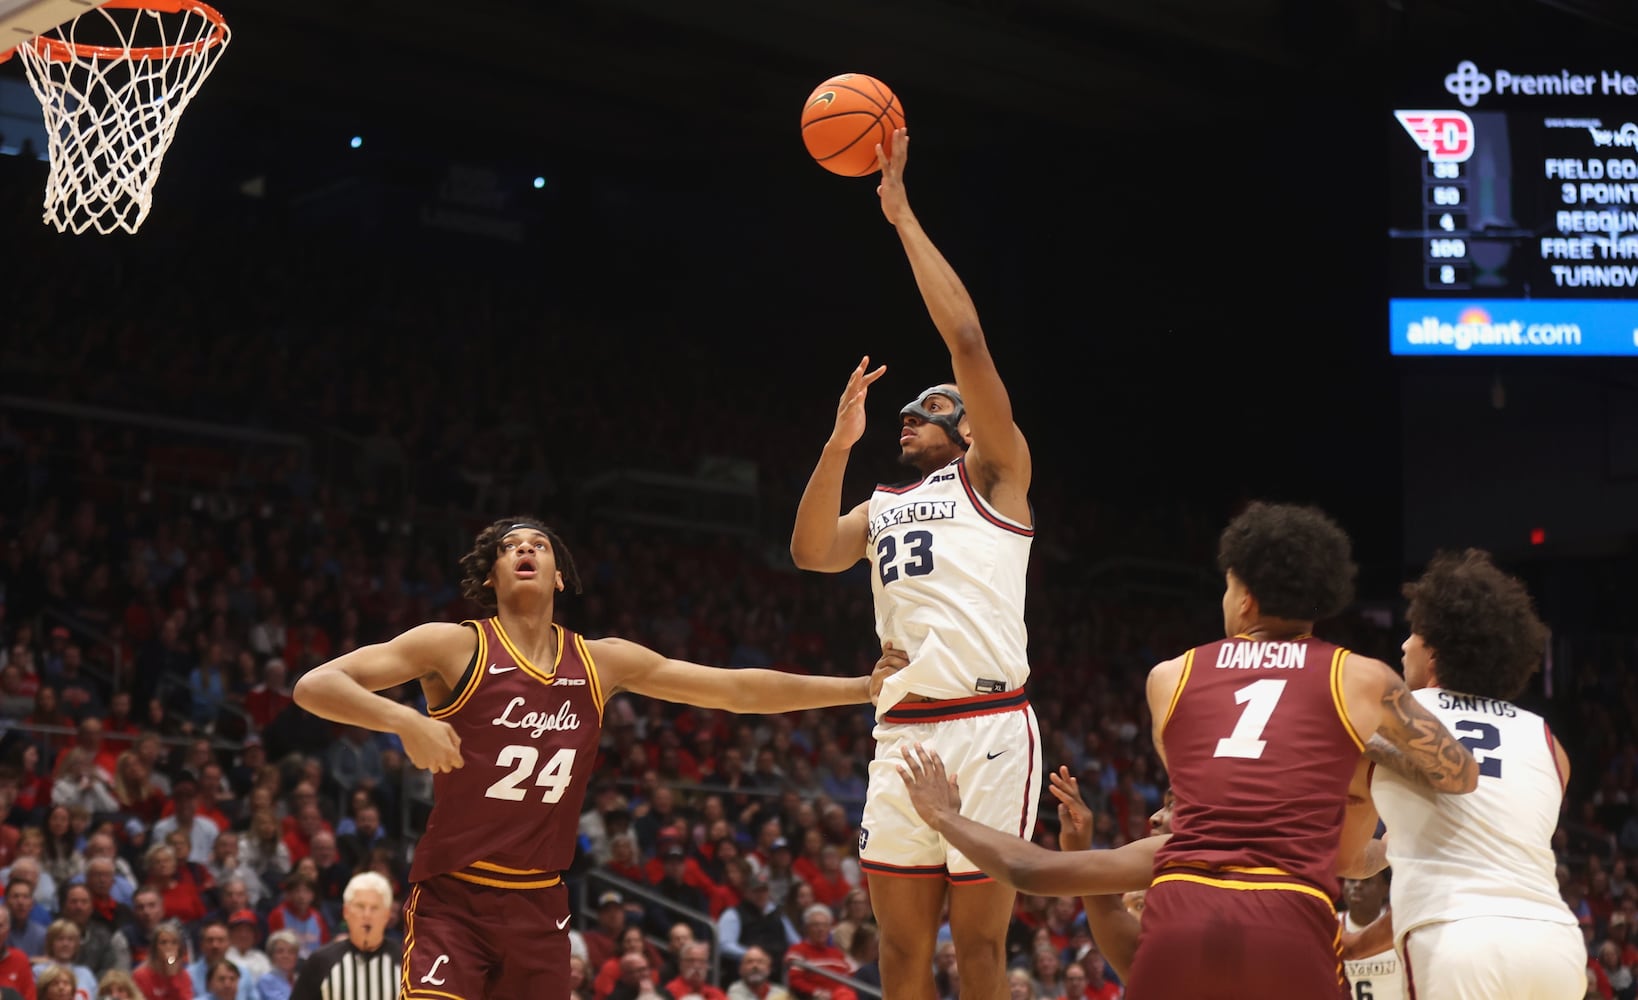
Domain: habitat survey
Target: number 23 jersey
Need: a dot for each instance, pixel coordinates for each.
(948, 579)
(1487, 853)
(510, 816)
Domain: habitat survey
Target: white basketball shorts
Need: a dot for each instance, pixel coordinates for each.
(1495, 958)
(990, 744)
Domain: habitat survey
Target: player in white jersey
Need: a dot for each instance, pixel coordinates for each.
(1377, 976)
(1475, 902)
(948, 556)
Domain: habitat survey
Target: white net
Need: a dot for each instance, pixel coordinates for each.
(113, 83)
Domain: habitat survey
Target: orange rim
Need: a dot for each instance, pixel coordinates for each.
(57, 50)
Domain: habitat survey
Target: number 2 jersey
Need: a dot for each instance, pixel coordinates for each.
(1260, 753)
(948, 578)
(510, 816)
(1487, 853)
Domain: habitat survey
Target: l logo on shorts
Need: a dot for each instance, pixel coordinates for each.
(432, 973)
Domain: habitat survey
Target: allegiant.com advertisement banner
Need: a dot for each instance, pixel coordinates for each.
(1520, 328)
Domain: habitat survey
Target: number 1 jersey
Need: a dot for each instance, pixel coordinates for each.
(529, 734)
(948, 579)
(1260, 753)
(1487, 853)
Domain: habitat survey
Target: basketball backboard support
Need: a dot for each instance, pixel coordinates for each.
(21, 20)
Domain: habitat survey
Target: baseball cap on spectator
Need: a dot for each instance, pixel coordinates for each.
(60, 632)
(184, 788)
(242, 917)
(755, 881)
(780, 844)
(610, 898)
(253, 740)
(673, 851)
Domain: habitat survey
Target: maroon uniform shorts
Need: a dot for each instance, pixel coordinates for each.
(464, 941)
(1232, 938)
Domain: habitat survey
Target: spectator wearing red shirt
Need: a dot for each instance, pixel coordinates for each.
(1621, 936)
(47, 713)
(1081, 984)
(183, 898)
(136, 793)
(163, 975)
(309, 823)
(265, 701)
(692, 966)
(15, 968)
(629, 942)
(119, 730)
(816, 950)
(623, 859)
(602, 937)
(692, 874)
(307, 645)
(89, 736)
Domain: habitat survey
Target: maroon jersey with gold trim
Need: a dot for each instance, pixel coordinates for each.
(511, 815)
(1260, 753)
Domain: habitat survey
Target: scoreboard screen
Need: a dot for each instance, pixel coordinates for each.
(1514, 210)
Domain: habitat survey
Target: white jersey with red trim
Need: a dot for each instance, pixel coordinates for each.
(948, 578)
(1488, 853)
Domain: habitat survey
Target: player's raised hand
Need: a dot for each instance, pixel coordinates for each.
(895, 203)
(1074, 816)
(932, 792)
(432, 745)
(892, 661)
(850, 412)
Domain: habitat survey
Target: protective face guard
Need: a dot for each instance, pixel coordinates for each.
(951, 422)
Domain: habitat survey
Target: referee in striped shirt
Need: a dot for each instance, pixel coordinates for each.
(356, 967)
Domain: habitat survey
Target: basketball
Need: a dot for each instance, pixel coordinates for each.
(843, 120)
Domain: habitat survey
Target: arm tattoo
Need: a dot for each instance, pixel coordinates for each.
(1421, 743)
(1386, 755)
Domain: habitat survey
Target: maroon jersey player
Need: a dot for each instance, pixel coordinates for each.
(1262, 734)
(514, 716)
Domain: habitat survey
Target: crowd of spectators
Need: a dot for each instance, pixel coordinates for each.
(165, 806)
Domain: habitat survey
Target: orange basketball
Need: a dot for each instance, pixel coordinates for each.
(844, 119)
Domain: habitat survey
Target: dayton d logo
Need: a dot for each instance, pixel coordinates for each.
(1446, 136)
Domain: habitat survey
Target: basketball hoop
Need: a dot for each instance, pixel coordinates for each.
(113, 84)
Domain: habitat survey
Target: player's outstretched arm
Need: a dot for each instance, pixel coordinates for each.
(1014, 861)
(821, 541)
(997, 442)
(1114, 928)
(1399, 733)
(1359, 854)
(1162, 689)
(344, 689)
(627, 666)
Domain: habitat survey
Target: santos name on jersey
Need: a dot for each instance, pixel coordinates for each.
(949, 585)
(1484, 854)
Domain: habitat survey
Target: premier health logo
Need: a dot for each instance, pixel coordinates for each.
(1467, 84)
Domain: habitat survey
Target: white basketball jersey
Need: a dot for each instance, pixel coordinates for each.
(1487, 853)
(1377, 977)
(948, 577)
